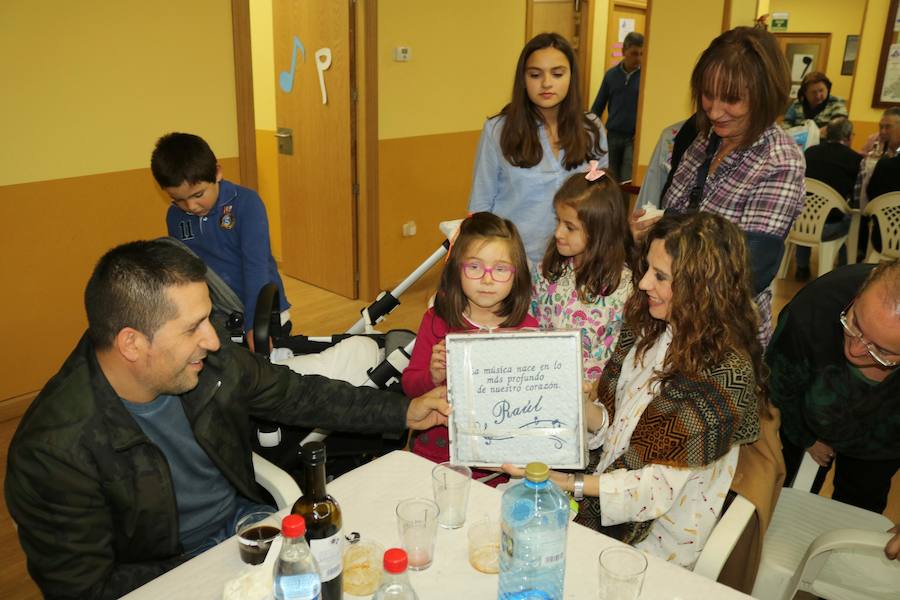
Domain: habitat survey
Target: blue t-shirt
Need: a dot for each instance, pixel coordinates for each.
(205, 499)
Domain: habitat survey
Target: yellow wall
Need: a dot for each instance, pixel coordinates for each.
(463, 57)
(598, 47)
(430, 112)
(669, 58)
(89, 88)
(840, 18)
(861, 110)
(742, 13)
(263, 52)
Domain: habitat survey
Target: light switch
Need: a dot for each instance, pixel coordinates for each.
(402, 54)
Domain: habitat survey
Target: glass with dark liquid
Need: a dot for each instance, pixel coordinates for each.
(256, 532)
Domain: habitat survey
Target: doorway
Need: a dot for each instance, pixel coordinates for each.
(573, 20)
(327, 175)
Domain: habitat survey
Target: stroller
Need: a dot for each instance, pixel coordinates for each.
(280, 443)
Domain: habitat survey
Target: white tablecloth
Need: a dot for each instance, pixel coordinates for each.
(368, 496)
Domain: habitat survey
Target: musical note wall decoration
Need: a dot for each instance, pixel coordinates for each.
(323, 62)
(286, 78)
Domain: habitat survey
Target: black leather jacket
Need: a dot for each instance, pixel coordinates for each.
(92, 496)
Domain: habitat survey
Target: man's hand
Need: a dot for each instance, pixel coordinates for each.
(438, 365)
(822, 453)
(892, 550)
(640, 228)
(428, 410)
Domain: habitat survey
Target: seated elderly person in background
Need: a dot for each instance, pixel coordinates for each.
(682, 391)
(742, 165)
(883, 144)
(834, 375)
(814, 101)
(836, 164)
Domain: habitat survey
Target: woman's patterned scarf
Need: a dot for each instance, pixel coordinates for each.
(693, 422)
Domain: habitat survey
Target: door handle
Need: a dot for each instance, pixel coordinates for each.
(285, 140)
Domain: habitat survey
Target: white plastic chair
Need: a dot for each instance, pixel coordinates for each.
(724, 537)
(821, 198)
(804, 529)
(849, 564)
(282, 487)
(886, 210)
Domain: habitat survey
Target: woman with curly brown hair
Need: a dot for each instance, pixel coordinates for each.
(681, 393)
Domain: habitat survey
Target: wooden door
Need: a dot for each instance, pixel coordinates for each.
(805, 52)
(624, 16)
(318, 179)
(572, 20)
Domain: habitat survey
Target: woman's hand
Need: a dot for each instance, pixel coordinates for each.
(821, 452)
(438, 365)
(512, 470)
(640, 228)
(892, 549)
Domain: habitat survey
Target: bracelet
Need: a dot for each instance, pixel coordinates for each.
(578, 487)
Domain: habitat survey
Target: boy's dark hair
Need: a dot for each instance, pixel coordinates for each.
(743, 63)
(482, 227)
(182, 157)
(633, 39)
(128, 288)
(579, 135)
(601, 208)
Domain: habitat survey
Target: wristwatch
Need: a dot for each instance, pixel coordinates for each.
(578, 487)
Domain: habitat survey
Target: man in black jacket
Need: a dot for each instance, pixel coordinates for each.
(135, 456)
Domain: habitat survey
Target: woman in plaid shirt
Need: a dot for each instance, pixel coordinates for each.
(741, 165)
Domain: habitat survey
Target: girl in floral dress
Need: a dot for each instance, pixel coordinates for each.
(585, 276)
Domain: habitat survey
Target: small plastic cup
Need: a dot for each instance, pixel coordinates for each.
(484, 545)
(622, 572)
(256, 532)
(451, 493)
(362, 567)
(417, 525)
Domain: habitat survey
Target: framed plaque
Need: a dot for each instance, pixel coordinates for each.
(516, 398)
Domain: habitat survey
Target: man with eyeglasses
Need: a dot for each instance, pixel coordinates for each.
(834, 375)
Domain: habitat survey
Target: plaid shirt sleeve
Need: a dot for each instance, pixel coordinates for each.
(776, 197)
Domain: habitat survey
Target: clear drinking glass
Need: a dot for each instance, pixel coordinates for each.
(621, 573)
(417, 524)
(451, 493)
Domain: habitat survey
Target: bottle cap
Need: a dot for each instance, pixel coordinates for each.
(537, 472)
(312, 453)
(293, 526)
(395, 560)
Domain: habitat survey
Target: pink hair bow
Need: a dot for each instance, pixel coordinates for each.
(594, 173)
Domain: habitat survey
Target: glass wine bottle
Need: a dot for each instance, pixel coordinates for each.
(323, 520)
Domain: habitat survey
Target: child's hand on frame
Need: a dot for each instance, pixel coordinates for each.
(438, 364)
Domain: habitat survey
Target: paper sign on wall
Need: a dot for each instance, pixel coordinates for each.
(626, 26)
(516, 398)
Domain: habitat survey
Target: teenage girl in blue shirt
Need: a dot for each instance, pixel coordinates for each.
(536, 142)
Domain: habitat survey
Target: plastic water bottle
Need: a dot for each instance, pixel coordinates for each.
(395, 581)
(296, 572)
(534, 521)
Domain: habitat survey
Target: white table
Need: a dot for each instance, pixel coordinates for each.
(368, 496)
